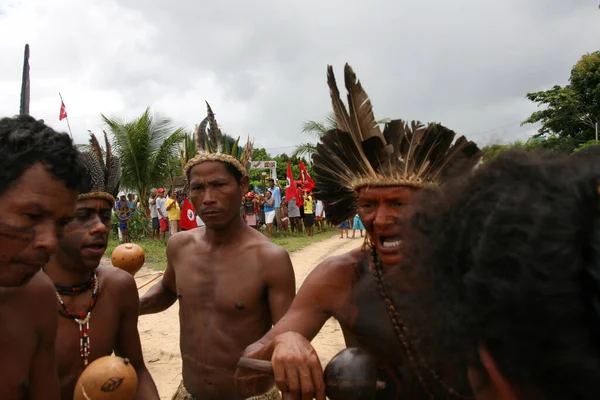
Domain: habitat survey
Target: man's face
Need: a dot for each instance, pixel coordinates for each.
(271, 184)
(86, 237)
(35, 211)
(384, 211)
(215, 193)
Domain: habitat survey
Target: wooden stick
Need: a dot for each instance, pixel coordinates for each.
(266, 367)
(150, 281)
(152, 274)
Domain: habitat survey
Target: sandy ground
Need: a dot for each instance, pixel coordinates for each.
(160, 332)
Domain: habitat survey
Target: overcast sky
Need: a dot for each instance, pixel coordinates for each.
(262, 64)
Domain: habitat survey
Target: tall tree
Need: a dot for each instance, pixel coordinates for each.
(316, 130)
(147, 147)
(571, 110)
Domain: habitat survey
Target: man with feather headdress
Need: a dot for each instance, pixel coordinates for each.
(359, 169)
(97, 305)
(232, 283)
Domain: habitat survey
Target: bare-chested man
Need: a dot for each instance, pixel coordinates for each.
(100, 303)
(232, 283)
(41, 177)
(359, 169)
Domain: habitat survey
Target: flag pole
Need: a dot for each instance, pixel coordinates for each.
(66, 116)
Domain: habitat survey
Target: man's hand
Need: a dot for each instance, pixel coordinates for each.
(298, 371)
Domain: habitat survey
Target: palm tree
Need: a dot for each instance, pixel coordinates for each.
(147, 147)
(317, 130)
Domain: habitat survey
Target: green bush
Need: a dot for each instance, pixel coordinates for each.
(139, 226)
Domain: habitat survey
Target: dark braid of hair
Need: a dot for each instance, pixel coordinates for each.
(403, 335)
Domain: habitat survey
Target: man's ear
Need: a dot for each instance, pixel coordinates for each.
(490, 384)
(244, 185)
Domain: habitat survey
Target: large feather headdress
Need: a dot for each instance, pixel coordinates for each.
(212, 145)
(104, 170)
(358, 154)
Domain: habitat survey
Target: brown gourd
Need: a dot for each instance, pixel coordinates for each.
(129, 257)
(107, 378)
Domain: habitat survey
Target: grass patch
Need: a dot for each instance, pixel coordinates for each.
(156, 257)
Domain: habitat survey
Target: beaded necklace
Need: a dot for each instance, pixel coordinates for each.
(403, 335)
(82, 319)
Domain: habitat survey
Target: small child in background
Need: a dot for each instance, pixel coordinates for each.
(123, 217)
(284, 216)
(344, 226)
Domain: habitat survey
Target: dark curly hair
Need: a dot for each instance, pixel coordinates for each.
(24, 141)
(509, 258)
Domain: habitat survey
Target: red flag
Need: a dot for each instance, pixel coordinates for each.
(63, 111)
(307, 181)
(188, 216)
(290, 187)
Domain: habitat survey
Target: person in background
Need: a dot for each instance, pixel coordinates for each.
(174, 212)
(300, 204)
(276, 194)
(269, 213)
(187, 220)
(163, 217)
(131, 203)
(320, 216)
(358, 225)
(248, 206)
(154, 214)
(285, 221)
(122, 198)
(343, 227)
(124, 216)
(309, 216)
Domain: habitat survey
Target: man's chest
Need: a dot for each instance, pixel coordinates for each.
(18, 344)
(227, 283)
(100, 330)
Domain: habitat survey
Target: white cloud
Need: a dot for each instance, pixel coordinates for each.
(261, 64)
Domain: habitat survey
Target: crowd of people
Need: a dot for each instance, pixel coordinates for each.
(474, 281)
(272, 211)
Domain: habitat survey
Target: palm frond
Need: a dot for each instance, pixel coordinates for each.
(305, 150)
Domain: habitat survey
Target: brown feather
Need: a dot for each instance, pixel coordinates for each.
(214, 134)
(108, 157)
(362, 119)
(96, 148)
(339, 109)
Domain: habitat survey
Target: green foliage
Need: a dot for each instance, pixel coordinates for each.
(139, 226)
(572, 110)
(147, 147)
(591, 143)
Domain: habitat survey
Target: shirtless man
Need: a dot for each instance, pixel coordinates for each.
(232, 283)
(41, 177)
(359, 169)
(84, 289)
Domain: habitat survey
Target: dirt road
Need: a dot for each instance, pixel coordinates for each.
(160, 332)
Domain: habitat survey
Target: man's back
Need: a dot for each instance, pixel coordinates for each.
(229, 297)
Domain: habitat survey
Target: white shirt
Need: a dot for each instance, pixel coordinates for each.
(162, 203)
(153, 210)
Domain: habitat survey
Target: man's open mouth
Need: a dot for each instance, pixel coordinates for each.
(390, 242)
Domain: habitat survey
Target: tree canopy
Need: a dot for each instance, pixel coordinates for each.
(571, 110)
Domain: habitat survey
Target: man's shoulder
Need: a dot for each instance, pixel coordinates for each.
(114, 276)
(345, 264)
(40, 289)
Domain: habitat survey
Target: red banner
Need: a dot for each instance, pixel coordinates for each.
(188, 216)
(307, 181)
(63, 111)
(290, 187)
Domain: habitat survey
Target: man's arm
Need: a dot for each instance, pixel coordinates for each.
(44, 383)
(281, 282)
(295, 362)
(170, 205)
(128, 339)
(163, 294)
